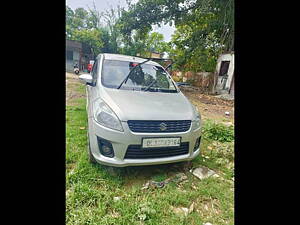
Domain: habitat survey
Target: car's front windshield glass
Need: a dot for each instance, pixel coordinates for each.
(145, 77)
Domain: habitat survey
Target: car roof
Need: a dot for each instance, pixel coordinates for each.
(120, 57)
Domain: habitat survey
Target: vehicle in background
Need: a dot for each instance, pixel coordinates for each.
(76, 68)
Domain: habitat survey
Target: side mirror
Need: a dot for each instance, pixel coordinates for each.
(86, 79)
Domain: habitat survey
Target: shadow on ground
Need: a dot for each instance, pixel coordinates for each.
(138, 175)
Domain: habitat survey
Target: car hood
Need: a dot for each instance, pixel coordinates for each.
(141, 105)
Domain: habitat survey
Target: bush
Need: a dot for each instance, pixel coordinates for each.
(218, 132)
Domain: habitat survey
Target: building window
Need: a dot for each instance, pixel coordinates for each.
(224, 68)
(70, 55)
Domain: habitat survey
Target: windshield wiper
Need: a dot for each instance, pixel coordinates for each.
(150, 85)
(168, 66)
(126, 78)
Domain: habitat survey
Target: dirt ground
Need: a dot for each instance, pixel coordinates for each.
(210, 107)
(72, 89)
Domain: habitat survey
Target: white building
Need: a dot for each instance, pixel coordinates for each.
(224, 76)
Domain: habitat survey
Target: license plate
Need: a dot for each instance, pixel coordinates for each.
(160, 142)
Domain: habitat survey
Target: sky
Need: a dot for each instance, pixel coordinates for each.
(103, 5)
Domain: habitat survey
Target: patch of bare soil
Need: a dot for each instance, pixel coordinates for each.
(72, 93)
(208, 208)
(71, 76)
(141, 174)
(211, 107)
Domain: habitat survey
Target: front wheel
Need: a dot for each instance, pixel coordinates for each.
(90, 155)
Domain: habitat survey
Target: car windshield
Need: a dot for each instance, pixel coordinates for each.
(145, 77)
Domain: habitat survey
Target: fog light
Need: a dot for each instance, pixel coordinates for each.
(197, 143)
(106, 150)
(105, 147)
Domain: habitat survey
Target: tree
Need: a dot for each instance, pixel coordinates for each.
(114, 37)
(205, 28)
(82, 25)
(91, 38)
(69, 21)
(102, 31)
(144, 43)
(99, 30)
(194, 48)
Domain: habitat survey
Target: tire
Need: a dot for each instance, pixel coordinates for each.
(90, 155)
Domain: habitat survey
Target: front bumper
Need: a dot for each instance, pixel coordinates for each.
(121, 140)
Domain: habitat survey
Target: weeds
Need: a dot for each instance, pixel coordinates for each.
(218, 132)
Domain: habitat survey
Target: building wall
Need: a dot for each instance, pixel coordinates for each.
(75, 47)
(231, 92)
(69, 65)
(155, 55)
(70, 62)
(226, 57)
(202, 80)
(76, 56)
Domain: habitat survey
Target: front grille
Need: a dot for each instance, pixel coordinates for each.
(136, 152)
(156, 126)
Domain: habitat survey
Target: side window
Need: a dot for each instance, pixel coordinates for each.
(94, 71)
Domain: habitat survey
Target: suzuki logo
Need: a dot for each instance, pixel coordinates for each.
(162, 126)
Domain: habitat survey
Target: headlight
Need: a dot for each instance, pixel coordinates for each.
(197, 116)
(105, 116)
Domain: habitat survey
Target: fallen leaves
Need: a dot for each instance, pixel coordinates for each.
(115, 214)
(183, 211)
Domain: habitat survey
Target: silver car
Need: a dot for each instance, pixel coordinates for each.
(137, 115)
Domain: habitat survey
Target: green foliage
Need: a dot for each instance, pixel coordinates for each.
(204, 28)
(81, 25)
(153, 42)
(218, 132)
(97, 30)
(90, 37)
(112, 36)
(102, 32)
(143, 44)
(196, 45)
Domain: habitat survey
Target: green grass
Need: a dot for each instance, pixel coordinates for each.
(90, 189)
